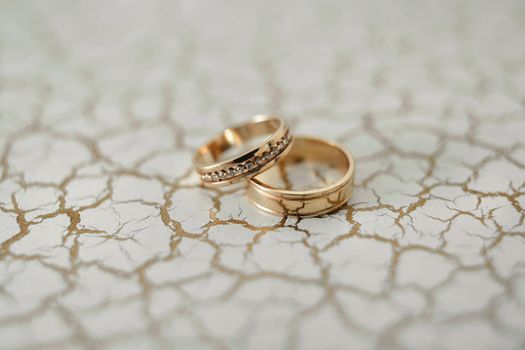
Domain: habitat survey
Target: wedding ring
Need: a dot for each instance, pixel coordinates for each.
(311, 202)
(262, 142)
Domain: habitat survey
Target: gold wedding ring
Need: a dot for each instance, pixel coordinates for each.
(272, 140)
(311, 202)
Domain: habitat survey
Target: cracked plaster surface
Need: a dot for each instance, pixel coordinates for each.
(108, 241)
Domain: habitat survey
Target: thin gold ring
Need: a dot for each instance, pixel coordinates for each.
(214, 171)
(315, 202)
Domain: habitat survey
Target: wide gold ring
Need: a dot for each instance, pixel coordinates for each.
(215, 171)
(312, 202)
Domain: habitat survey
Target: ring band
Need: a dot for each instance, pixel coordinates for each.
(307, 203)
(256, 159)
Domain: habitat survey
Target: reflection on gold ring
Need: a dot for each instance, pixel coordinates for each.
(313, 202)
(217, 172)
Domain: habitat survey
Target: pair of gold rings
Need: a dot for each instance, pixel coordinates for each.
(266, 141)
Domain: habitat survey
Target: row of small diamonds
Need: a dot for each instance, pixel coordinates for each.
(249, 165)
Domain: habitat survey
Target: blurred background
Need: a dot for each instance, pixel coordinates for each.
(108, 241)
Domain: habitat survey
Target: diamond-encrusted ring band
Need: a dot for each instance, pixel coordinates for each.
(305, 203)
(259, 143)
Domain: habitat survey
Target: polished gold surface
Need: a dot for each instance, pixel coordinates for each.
(216, 171)
(305, 203)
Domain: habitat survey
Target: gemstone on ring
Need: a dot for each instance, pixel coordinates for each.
(242, 166)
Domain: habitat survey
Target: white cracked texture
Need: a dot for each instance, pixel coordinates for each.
(107, 240)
